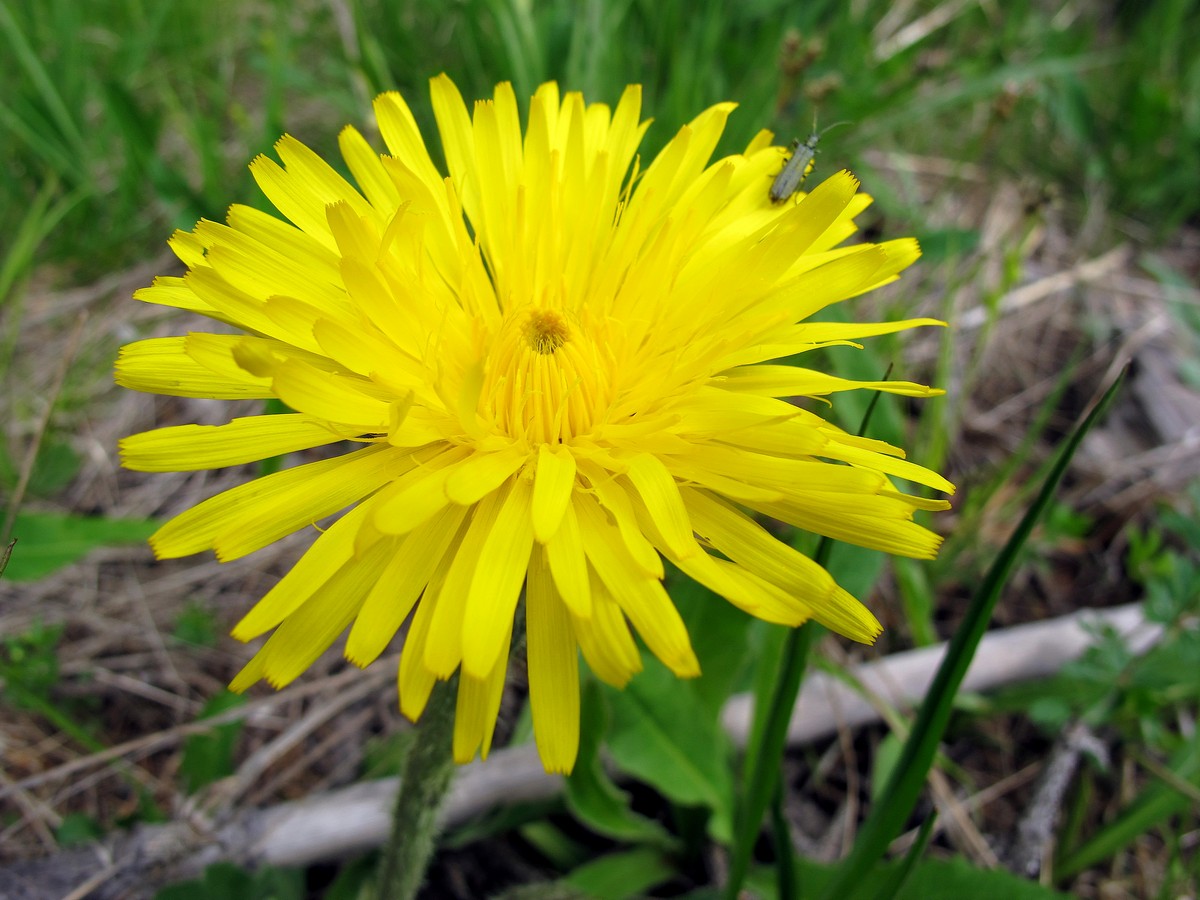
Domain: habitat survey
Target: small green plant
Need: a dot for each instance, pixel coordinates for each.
(29, 664)
(208, 757)
(196, 625)
(29, 671)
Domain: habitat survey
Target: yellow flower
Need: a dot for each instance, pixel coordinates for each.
(556, 370)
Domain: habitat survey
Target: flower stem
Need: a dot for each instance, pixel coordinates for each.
(424, 781)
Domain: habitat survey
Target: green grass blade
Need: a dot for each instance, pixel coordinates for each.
(27, 59)
(889, 814)
(39, 219)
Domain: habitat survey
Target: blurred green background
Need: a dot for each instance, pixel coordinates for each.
(122, 118)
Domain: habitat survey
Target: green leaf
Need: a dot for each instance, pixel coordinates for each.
(196, 625)
(29, 662)
(956, 878)
(948, 244)
(590, 793)
(916, 594)
(621, 875)
(663, 735)
(209, 757)
(48, 541)
(77, 828)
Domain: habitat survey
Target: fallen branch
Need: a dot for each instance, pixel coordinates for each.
(355, 819)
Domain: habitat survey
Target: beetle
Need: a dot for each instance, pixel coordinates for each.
(799, 164)
(795, 170)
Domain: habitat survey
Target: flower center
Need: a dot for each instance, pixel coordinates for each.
(547, 381)
(546, 331)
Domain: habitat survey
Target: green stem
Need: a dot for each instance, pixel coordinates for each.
(763, 762)
(785, 856)
(424, 782)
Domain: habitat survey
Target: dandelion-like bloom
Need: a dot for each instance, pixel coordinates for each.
(557, 372)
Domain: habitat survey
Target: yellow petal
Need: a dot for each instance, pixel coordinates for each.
(458, 139)
(553, 670)
(496, 585)
(412, 498)
(329, 552)
(304, 493)
(480, 474)
(303, 186)
(364, 164)
(640, 597)
(478, 705)
(399, 130)
(245, 310)
(605, 640)
(901, 468)
(616, 502)
(185, 448)
(747, 543)
(400, 584)
(793, 381)
(568, 566)
(170, 290)
(250, 674)
(413, 681)
(658, 491)
(289, 241)
(444, 649)
(308, 631)
(259, 271)
(553, 483)
(880, 522)
(335, 398)
(163, 366)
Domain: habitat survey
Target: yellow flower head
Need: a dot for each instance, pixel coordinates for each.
(557, 372)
